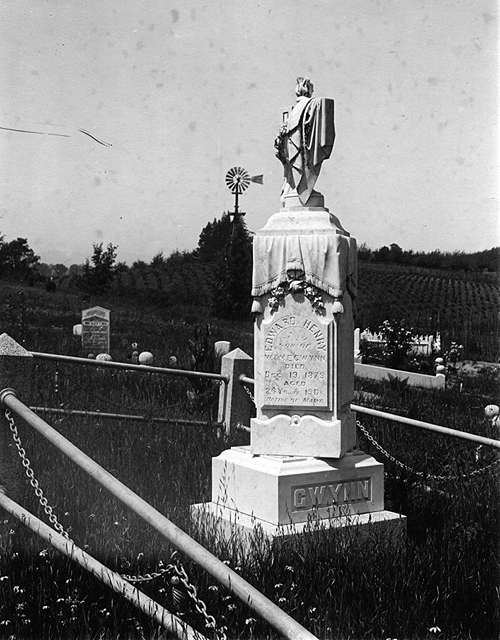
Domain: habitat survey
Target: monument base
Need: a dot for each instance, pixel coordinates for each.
(295, 435)
(276, 497)
(283, 490)
(246, 533)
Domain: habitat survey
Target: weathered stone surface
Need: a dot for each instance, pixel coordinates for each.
(95, 330)
(234, 402)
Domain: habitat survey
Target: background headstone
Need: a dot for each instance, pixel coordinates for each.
(95, 330)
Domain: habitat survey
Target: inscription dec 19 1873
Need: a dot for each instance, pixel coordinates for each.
(296, 363)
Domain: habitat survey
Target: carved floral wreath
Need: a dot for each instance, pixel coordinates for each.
(312, 293)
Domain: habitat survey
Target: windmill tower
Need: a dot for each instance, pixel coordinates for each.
(238, 181)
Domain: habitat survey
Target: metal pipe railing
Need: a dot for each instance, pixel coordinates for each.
(234, 583)
(159, 614)
(124, 366)
(123, 416)
(463, 435)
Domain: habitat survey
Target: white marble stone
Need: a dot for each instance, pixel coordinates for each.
(248, 530)
(282, 490)
(304, 378)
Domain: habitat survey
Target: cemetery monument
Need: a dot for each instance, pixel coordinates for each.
(301, 462)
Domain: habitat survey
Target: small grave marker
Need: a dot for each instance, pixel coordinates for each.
(95, 330)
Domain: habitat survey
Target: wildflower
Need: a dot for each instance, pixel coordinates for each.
(17, 589)
(213, 587)
(92, 516)
(5, 623)
(2, 578)
(43, 553)
(278, 585)
(231, 607)
(289, 568)
(45, 607)
(281, 600)
(435, 630)
(250, 621)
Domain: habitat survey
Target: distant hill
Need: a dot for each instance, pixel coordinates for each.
(462, 306)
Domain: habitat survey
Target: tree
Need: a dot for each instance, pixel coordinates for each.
(214, 238)
(17, 259)
(97, 277)
(225, 246)
(59, 270)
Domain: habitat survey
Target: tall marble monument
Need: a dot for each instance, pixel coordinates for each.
(301, 460)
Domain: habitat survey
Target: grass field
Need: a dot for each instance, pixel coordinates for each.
(336, 585)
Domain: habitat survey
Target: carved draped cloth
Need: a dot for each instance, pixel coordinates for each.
(327, 261)
(309, 141)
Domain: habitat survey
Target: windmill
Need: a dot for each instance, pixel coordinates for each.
(238, 180)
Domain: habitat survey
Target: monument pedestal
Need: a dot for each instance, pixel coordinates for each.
(286, 495)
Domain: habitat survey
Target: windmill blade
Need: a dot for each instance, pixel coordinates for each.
(257, 179)
(237, 180)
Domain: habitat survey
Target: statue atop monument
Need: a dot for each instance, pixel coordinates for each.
(305, 140)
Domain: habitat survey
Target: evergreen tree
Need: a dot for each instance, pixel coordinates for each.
(225, 246)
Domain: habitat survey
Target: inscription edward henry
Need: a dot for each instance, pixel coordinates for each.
(296, 363)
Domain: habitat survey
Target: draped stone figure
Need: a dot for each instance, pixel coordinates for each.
(305, 140)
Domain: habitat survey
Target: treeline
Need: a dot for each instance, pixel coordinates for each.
(488, 260)
(215, 278)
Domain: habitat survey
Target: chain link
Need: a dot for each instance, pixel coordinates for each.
(174, 569)
(33, 481)
(200, 606)
(421, 474)
(249, 393)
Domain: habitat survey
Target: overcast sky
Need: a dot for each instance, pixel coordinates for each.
(183, 91)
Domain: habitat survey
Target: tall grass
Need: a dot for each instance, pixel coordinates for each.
(337, 584)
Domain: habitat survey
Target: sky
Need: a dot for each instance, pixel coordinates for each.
(175, 94)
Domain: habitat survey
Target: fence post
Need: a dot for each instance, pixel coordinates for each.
(16, 372)
(235, 405)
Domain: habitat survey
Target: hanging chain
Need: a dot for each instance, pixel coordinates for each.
(33, 481)
(146, 577)
(421, 474)
(174, 569)
(182, 577)
(249, 393)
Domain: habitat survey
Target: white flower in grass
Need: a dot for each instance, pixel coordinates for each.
(435, 630)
